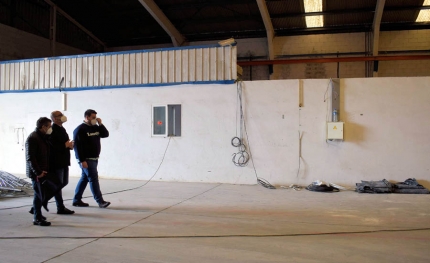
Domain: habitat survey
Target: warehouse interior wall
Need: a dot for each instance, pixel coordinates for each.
(385, 131)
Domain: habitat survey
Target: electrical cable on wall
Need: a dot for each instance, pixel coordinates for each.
(242, 157)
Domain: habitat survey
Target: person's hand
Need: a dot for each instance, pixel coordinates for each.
(84, 164)
(99, 121)
(69, 144)
(42, 174)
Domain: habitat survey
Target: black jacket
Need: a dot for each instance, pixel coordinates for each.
(87, 140)
(60, 155)
(36, 154)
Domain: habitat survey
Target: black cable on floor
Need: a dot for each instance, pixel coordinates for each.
(134, 188)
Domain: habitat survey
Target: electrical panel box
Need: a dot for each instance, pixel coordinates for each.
(335, 130)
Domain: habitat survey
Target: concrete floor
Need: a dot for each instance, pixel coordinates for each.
(197, 222)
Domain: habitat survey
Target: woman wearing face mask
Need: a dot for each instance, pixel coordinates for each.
(37, 163)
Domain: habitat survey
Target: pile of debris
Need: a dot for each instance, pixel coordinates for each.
(409, 186)
(12, 186)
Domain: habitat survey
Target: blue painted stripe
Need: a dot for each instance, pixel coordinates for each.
(149, 85)
(113, 53)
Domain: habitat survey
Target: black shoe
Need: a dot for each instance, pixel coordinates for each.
(32, 212)
(104, 204)
(80, 204)
(64, 211)
(41, 222)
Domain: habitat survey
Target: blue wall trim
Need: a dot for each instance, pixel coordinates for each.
(113, 53)
(150, 85)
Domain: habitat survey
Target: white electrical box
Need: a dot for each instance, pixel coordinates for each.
(335, 130)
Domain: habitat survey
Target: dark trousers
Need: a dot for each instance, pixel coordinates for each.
(37, 203)
(89, 175)
(62, 174)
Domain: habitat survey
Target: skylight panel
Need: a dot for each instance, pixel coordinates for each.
(314, 6)
(424, 15)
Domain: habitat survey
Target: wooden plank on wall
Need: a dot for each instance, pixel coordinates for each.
(199, 64)
(213, 64)
(17, 76)
(227, 63)
(132, 70)
(171, 67)
(220, 63)
(184, 65)
(68, 74)
(148, 67)
(62, 74)
(7, 76)
(139, 68)
(102, 72)
(11, 76)
(108, 70)
(57, 63)
(233, 62)
(2, 76)
(96, 76)
(47, 75)
(90, 75)
(114, 70)
(164, 66)
(126, 70)
(206, 64)
(36, 75)
(120, 69)
(79, 72)
(192, 71)
(73, 76)
(27, 75)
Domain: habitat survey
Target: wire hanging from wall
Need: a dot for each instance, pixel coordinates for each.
(242, 157)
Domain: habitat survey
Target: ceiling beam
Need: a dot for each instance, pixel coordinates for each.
(375, 29)
(268, 25)
(331, 60)
(59, 10)
(177, 38)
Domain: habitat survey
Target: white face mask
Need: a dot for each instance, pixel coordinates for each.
(63, 118)
(49, 131)
(93, 122)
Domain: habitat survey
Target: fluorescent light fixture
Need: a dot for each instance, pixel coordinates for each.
(424, 15)
(313, 6)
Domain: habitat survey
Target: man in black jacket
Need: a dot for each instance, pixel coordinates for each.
(87, 150)
(60, 157)
(37, 163)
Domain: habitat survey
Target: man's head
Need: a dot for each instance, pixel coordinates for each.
(90, 117)
(43, 124)
(58, 118)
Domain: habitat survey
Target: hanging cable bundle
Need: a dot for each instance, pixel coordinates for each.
(242, 157)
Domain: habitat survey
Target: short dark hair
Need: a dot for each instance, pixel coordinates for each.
(89, 112)
(42, 121)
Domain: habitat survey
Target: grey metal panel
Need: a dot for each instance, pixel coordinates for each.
(123, 68)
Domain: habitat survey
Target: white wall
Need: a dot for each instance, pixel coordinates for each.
(386, 132)
(18, 44)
